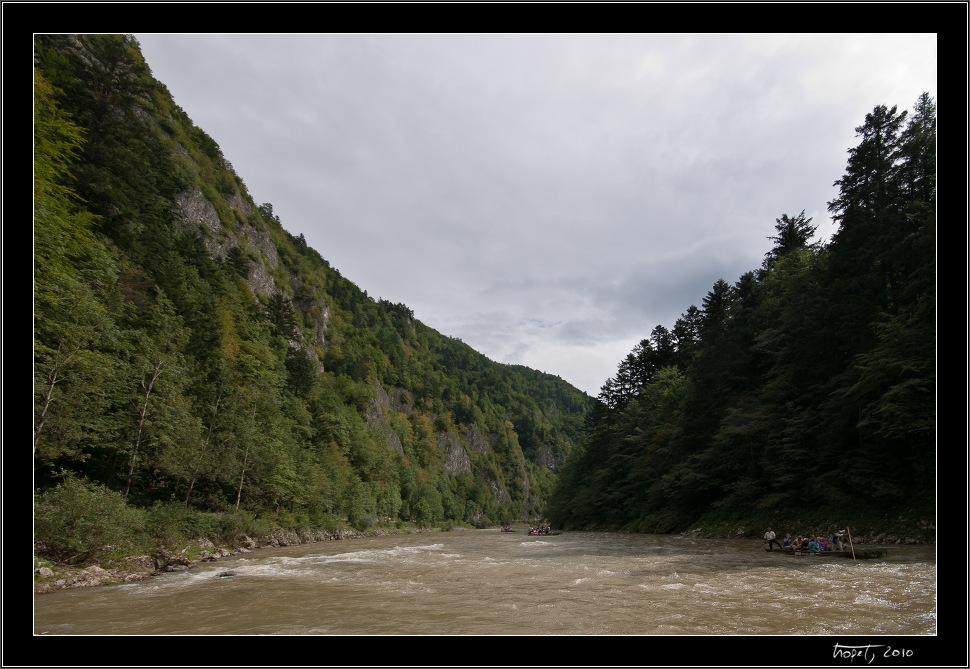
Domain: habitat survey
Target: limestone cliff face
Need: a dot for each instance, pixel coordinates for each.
(251, 239)
(456, 447)
(475, 439)
(453, 448)
(194, 209)
(545, 457)
(456, 457)
(377, 419)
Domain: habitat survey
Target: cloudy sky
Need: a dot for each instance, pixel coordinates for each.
(548, 199)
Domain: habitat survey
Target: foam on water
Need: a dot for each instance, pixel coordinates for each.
(492, 583)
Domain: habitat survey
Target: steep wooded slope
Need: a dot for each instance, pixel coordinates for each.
(189, 349)
(806, 391)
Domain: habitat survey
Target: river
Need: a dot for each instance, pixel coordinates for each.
(487, 582)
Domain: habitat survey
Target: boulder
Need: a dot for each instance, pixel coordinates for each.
(177, 563)
(141, 564)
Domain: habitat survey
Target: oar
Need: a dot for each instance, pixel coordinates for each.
(850, 542)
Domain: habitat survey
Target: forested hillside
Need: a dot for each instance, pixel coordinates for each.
(195, 360)
(805, 391)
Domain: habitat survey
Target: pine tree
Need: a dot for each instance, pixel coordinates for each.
(793, 233)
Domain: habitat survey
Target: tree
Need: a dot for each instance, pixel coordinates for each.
(917, 171)
(426, 504)
(248, 446)
(301, 371)
(793, 233)
(915, 247)
(863, 250)
(197, 467)
(665, 346)
(159, 376)
(716, 312)
(279, 312)
(870, 186)
(686, 333)
(884, 399)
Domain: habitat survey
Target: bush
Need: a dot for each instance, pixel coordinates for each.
(171, 524)
(234, 524)
(77, 518)
(167, 524)
(327, 522)
(361, 522)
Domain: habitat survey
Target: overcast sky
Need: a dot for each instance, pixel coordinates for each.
(548, 199)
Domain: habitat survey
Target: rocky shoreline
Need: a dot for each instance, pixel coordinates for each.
(140, 567)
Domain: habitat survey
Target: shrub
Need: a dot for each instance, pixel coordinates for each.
(233, 525)
(327, 522)
(362, 521)
(166, 524)
(77, 518)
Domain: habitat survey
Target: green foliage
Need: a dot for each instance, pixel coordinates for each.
(808, 384)
(72, 290)
(76, 518)
(426, 504)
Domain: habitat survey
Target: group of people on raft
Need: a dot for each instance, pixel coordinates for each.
(813, 543)
(541, 529)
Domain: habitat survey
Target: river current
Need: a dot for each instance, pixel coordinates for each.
(487, 582)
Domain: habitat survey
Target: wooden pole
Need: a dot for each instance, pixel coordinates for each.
(850, 542)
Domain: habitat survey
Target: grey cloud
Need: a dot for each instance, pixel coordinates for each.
(549, 199)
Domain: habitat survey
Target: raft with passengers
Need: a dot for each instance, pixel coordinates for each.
(542, 530)
(821, 546)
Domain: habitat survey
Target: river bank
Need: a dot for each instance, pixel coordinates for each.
(911, 529)
(114, 568)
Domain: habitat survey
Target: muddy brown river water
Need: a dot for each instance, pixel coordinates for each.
(489, 582)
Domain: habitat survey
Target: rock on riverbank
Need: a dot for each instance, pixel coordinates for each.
(139, 567)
